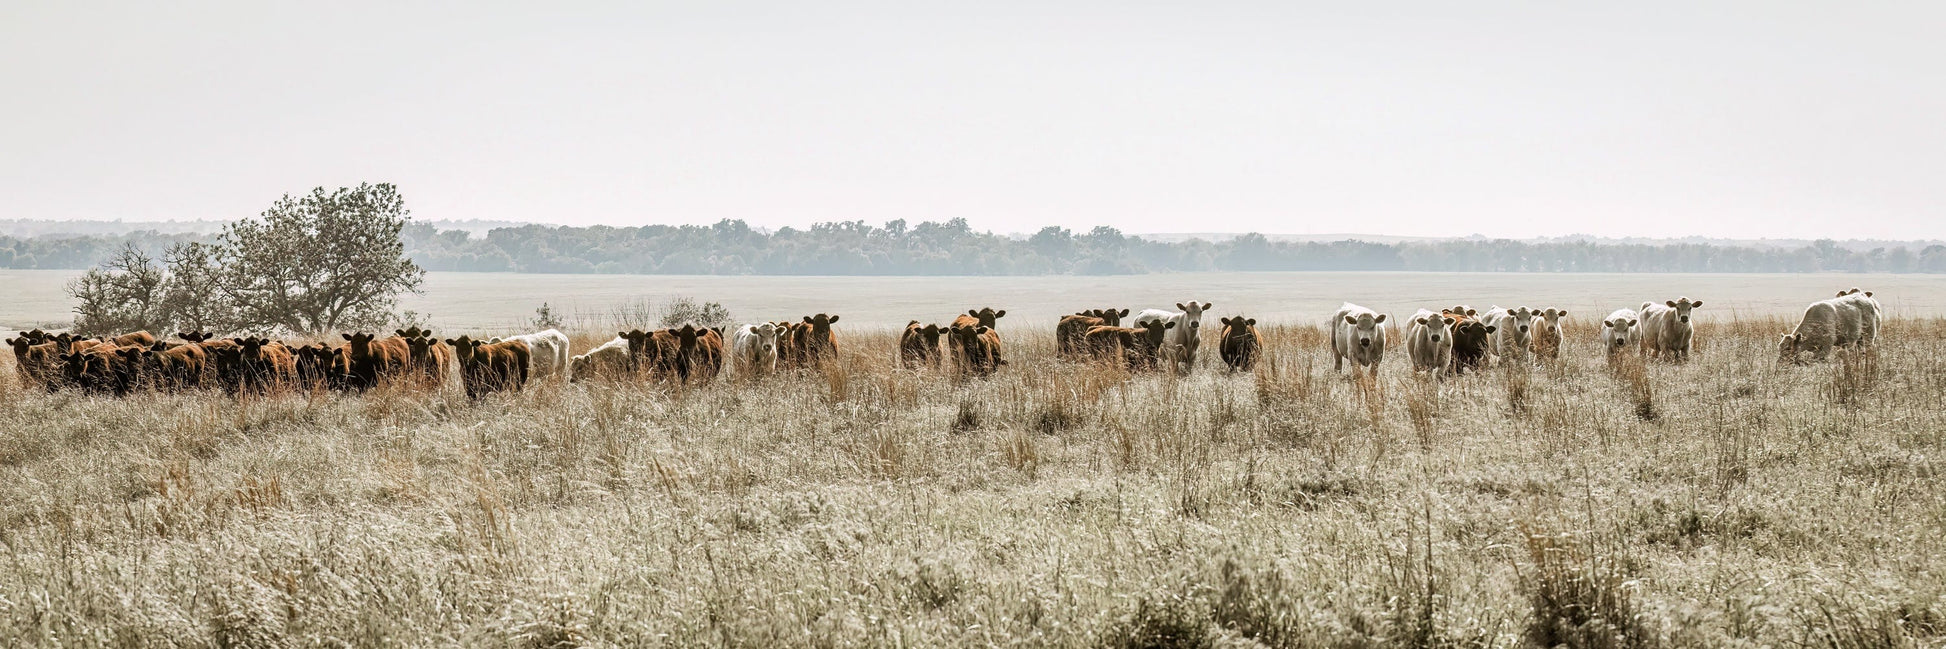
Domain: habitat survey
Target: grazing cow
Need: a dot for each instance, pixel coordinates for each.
(1429, 342)
(1472, 341)
(1511, 330)
(427, 360)
(816, 342)
(1619, 332)
(976, 349)
(1869, 314)
(372, 360)
(37, 360)
(1547, 332)
(486, 367)
(1831, 324)
(1666, 329)
(1179, 347)
(550, 353)
(1239, 344)
(1358, 334)
(699, 353)
(753, 349)
(263, 364)
(611, 359)
(176, 368)
(919, 346)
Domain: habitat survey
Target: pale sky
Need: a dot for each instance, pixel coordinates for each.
(1425, 118)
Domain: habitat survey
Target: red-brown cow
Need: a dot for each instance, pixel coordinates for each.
(817, 342)
(486, 368)
(699, 353)
(37, 361)
(373, 360)
(919, 346)
(182, 367)
(651, 352)
(428, 359)
(976, 349)
(1239, 344)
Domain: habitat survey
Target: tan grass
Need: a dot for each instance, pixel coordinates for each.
(1725, 501)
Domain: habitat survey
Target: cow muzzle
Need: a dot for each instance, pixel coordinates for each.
(1364, 342)
(1685, 318)
(1523, 329)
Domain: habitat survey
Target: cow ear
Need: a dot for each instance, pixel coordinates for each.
(1380, 319)
(1124, 312)
(1606, 323)
(239, 341)
(1491, 328)
(1671, 303)
(1207, 305)
(1448, 320)
(1170, 325)
(1419, 321)
(973, 312)
(1000, 314)
(1180, 307)
(1868, 293)
(1695, 304)
(346, 336)
(1252, 322)
(807, 319)
(1561, 314)
(398, 332)
(1351, 319)
(834, 319)
(982, 329)
(1632, 321)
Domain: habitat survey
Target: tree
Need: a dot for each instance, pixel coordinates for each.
(322, 262)
(123, 294)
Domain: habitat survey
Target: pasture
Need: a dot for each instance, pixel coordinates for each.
(1729, 501)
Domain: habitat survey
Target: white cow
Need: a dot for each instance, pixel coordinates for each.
(1179, 345)
(1429, 343)
(1512, 330)
(1357, 333)
(1547, 332)
(610, 359)
(753, 350)
(1841, 321)
(1666, 328)
(1868, 314)
(1619, 333)
(547, 353)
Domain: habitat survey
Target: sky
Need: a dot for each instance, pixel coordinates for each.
(1412, 118)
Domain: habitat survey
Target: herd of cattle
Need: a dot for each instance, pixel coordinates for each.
(1451, 340)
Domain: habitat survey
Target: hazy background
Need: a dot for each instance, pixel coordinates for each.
(1735, 119)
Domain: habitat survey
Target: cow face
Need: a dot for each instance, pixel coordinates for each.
(1153, 332)
(360, 343)
(1618, 330)
(820, 323)
(1523, 320)
(1787, 348)
(987, 316)
(419, 348)
(1237, 327)
(1364, 327)
(969, 336)
(464, 348)
(1110, 316)
(685, 337)
(767, 337)
(1682, 305)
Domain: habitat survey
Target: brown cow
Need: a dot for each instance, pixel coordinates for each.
(1139, 346)
(816, 341)
(1472, 340)
(182, 367)
(919, 346)
(976, 349)
(699, 353)
(264, 364)
(489, 367)
(1239, 344)
(37, 360)
(1071, 333)
(99, 368)
(651, 352)
(141, 339)
(373, 360)
(427, 359)
(982, 317)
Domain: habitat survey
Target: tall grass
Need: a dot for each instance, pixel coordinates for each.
(1724, 501)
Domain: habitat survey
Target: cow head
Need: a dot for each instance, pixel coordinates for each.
(1364, 327)
(928, 335)
(464, 348)
(419, 347)
(686, 337)
(1682, 305)
(20, 345)
(1237, 327)
(412, 332)
(195, 336)
(820, 323)
(359, 343)
(968, 336)
(1787, 347)
(1618, 329)
(1438, 326)
(987, 316)
(1153, 332)
(1110, 316)
(766, 337)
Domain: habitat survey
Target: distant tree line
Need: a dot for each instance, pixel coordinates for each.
(952, 248)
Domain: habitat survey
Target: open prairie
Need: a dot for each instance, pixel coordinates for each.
(498, 301)
(1729, 501)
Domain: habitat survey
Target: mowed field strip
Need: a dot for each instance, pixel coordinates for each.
(503, 302)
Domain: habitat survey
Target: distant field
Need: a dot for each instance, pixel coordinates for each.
(497, 301)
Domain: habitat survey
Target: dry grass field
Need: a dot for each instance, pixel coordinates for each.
(1731, 501)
